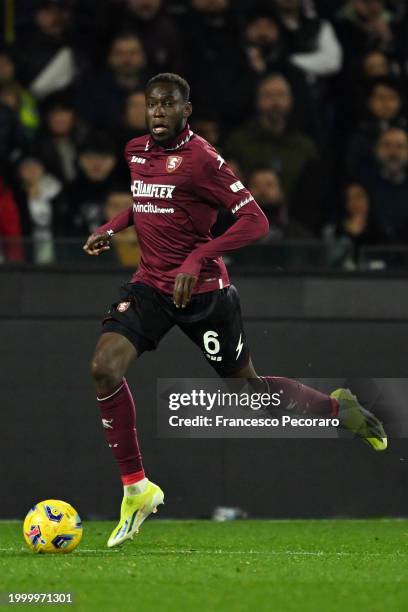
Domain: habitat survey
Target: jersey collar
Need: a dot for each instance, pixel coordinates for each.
(180, 140)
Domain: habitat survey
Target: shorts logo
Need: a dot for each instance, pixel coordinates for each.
(122, 306)
(239, 346)
(138, 160)
(173, 162)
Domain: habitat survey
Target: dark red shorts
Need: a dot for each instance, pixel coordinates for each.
(211, 320)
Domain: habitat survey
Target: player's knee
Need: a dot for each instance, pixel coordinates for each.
(105, 370)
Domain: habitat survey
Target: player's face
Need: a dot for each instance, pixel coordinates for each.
(166, 112)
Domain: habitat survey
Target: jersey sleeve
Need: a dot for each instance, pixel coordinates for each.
(118, 223)
(214, 182)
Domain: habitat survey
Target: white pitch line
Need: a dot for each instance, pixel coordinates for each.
(232, 552)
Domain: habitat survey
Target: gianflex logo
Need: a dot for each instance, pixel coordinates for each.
(140, 189)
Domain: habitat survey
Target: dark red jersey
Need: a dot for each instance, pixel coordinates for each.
(177, 192)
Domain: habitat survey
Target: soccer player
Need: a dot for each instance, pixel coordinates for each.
(178, 182)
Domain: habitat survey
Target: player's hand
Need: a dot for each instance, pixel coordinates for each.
(97, 243)
(183, 288)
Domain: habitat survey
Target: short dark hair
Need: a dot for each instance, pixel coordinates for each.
(175, 79)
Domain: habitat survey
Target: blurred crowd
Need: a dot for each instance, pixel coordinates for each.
(304, 98)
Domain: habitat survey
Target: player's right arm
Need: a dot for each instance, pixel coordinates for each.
(99, 241)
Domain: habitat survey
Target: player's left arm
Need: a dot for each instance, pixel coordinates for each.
(215, 182)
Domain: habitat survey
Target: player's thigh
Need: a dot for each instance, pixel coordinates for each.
(112, 357)
(139, 316)
(221, 335)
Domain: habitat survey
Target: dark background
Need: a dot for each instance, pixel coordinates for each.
(332, 326)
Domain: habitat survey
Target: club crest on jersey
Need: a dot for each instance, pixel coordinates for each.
(173, 162)
(122, 306)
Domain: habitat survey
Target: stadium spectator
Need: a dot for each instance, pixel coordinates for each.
(399, 9)
(328, 10)
(215, 58)
(125, 245)
(236, 168)
(355, 227)
(265, 186)
(157, 31)
(262, 63)
(100, 100)
(375, 64)
(357, 219)
(133, 124)
(11, 138)
(386, 182)
(384, 108)
(401, 28)
(133, 121)
(42, 208)
(365, 25)
(268, 140)
(207, 126)
(11, 248)
(46, 59)
(357, 81)
(312, 42)
(266, 54)
(14, 95)
(60, 137)
(96, 175)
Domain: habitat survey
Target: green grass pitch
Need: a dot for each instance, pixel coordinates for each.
(279, 566)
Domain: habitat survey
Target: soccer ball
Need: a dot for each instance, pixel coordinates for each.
(52, 526)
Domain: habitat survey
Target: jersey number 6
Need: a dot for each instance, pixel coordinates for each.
(211, 342)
